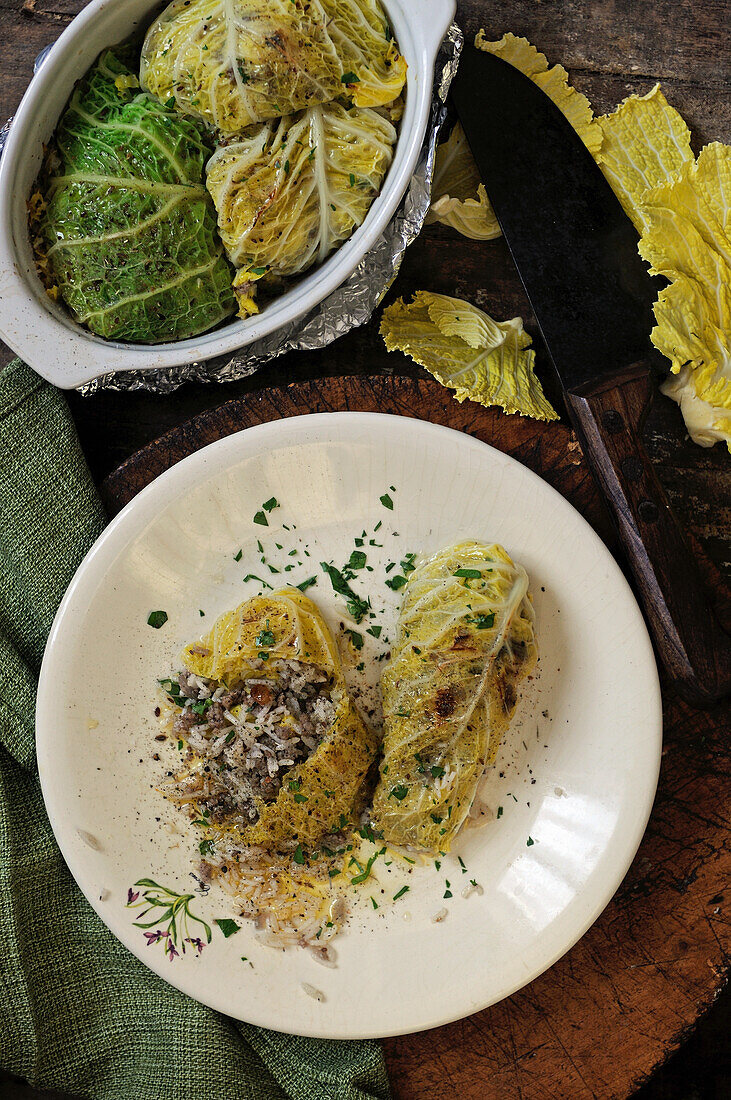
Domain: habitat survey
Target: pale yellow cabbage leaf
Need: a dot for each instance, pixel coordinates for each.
(460, 200)
(646, 143)
(465, 349)
(688, 240)
(681, 208)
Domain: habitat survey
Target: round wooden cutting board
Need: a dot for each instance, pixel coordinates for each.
(606, 1015)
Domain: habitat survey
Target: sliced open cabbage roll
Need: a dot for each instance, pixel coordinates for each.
(465, 641)
(277, 752)
(291, 191)
(237, 62)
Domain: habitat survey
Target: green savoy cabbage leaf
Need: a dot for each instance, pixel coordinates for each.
(123, 227)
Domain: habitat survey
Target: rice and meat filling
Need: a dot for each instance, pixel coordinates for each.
(244, 738)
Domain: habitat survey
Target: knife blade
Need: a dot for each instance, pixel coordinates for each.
(576, 253)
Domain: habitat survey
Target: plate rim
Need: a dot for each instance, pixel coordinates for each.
(139, 501)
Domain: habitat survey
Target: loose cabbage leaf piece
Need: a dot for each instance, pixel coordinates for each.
(291, 191)
(329, 782)
(464, 348)
(645, 143)
(236, 62)
(688, 240)
(465, 641)
(680, 206)
(123, 226)
(460, 200)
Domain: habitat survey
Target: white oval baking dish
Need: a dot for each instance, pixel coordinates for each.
(43, 332)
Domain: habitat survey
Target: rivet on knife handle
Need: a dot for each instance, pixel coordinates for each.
(690, 642)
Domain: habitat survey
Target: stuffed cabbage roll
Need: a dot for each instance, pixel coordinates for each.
(276, 750)
(122, 225)
(291, 191)
(465, 641)
(243, 61)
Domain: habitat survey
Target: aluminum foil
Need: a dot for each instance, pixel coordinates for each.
(353, 303)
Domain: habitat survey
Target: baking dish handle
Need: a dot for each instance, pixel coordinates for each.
(430, 20)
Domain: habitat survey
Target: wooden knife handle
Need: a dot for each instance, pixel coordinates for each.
(690, 643)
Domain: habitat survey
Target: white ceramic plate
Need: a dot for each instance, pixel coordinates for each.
(575, 777)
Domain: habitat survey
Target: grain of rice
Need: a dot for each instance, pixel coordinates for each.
(90, 840)
(310, 990)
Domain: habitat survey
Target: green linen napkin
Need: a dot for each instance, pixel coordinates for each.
(79, 1013)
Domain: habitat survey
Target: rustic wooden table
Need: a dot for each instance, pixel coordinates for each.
(611, 48)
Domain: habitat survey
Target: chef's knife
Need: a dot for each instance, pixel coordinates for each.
(576, 253)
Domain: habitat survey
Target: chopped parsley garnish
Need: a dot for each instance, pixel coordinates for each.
(437, 864)
(499, 811)
(205, 847)
(333, 872)
(170, 102)
(299, 855)
(349, 78)
(529, 841)
(482, 622)
(228, 927)
(301, 798)
(399, 792)
(201, 613)
(447, 892)
(229, 737)
(352, 180)
(386, 502)
(469, 574)
(356, 639)
(396, 582)
(261, 518)
(201, 706)
(402, 713)
(172, 690)
(265, 637)
(462, 865)
(357, 607)
(271, 504)
(378, 526)
(400, 893)
(375, 631)
(156, 619)
(357, 560)
(437, 771)
(407, 565)
(374, 903)
(253, 577)
(436, 819)
(306, 584)
(365, 871)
